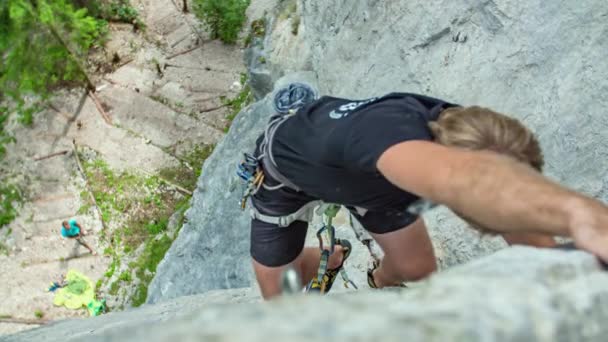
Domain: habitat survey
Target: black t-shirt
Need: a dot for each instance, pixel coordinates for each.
(330, 148)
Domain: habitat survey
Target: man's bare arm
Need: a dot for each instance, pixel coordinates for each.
(496, 192)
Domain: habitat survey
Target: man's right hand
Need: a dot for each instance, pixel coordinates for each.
(589, 226)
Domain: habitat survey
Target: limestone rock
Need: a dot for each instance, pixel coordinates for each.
(517, 294)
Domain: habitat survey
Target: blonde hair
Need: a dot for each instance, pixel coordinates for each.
(478, 128)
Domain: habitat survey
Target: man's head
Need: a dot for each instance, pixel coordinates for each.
(477, 128)
(65, 224)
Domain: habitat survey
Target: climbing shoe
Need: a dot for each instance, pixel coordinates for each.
(372, 283)
(370, 278)
(330, 275)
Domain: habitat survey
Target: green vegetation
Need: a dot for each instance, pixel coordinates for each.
(125, 276)
(224, 18)
(146, 265)
(112, 268)
(5, 137)
(5, 316)
(43, 44)
(295, 25)
(3, 249)
(187, 176)
(236, 104)
(10, 198)
(257, 30)
(289, 10)
(112, 10)
(141, 207)
(39, 314)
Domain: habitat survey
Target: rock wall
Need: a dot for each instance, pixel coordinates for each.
(212, 250)
(531, 59)
(517, 294)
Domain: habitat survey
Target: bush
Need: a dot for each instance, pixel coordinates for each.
(10, 198)
(224, 18)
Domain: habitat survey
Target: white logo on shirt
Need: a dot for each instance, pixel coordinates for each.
(345, 109)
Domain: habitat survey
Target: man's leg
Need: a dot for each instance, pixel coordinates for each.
(408, 255)
(85, 245)
(306, 264)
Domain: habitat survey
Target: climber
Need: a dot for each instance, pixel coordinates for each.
(379, 156)
(72, 230)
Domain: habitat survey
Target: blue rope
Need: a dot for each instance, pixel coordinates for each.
(293, 97)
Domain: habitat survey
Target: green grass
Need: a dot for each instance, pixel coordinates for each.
(153, 254)
(290, 8)
(112, 268)
(184, 176)
(3, 249)
(125, 276)
(10, 200)
(257, 30)
(114, 10)
(138, 209)
(38, 314)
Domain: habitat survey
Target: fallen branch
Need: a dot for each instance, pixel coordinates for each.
(25, 321)
(86, 183)
(100, 108)
(62, 113)
(129, 60)
(177, 187)
(179, 41)
(212, 108)
(183, 52)
(171, 184)
(51, 155)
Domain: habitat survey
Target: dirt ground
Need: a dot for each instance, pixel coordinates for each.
(163, 100)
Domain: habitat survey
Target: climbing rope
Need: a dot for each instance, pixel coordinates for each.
(293, 97)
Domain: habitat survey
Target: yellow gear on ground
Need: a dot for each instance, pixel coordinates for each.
(77, 294)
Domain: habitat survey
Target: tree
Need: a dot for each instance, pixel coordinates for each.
(224, 18)
(43, 44)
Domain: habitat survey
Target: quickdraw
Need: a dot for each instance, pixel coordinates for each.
(325, 278)
(250, 171)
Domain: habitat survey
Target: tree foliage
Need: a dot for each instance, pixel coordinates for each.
(224, 18)
(43, 44)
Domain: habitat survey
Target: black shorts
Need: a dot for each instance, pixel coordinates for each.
(275, 246)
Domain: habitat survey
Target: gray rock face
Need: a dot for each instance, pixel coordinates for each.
(534, 60)
(530, 59)
(212, 250)
(517, 294)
